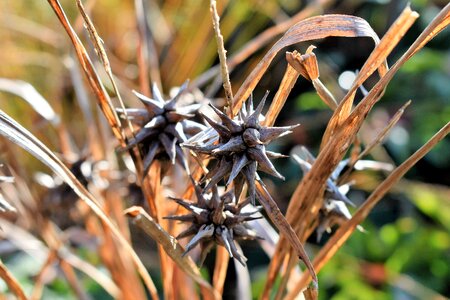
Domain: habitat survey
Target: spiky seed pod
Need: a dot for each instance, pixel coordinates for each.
(334, 210)
(216, 220)
(241, 147)
(163, 126)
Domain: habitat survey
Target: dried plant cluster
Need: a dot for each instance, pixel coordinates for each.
(163, 127)
(239, 147)
(228, 148)
(216, 219)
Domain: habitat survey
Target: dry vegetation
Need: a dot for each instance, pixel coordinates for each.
(128, 168)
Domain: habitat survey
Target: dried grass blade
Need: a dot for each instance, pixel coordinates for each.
(73, 281)
(286, 85)
(12, 282)
(170, 245)
(345, 230)
(222, 55)
(220, 269)
(335, 149)
(325, 94)
(308, 67)
(306, 194)
(91, 271)
(94, 81)
(94, 143)
(310, 29)
(243, 286)
(380, 137)
(355, 157)
(38, 287)
(285, 228)
(28, 93)
(147, 56)
(101, 52)
(377, 59)
(6, 208)
(262, 40)
(20, 136)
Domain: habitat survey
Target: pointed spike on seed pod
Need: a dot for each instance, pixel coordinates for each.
(190, 127)
(140, 136)
(227, 121)
(170, 105)
(169, 146)
(250, 175)
(156, 122)
(150, 156)
(198, 148)
(336, 194)
(181, 218)
(223, 131)
(181, 159)
(155, 106)
(198, 192)
(174, 116)
(177, 131)
(188, 232)
(157, 94)
(237, 255)
(189, 206)
(253, 119)
(238, 163)
(264, 164)
(235, 144)
(219, 175)
(206, 231)
(267, 134)
(189, 109)
(250, 105)
(221, 234)
(242, 113)
(274, 155)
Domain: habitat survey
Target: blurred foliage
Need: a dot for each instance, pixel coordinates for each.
(405, 252)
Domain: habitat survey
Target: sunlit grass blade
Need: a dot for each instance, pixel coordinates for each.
(94, 81)
(12, 282)
(345, 230)
(170, 245)
(20, 136)
(310, 29)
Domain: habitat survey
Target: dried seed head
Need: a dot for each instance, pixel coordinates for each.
(216, 220)
(240, 148)
(334, 210)
(305, 64)
(163, 126)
